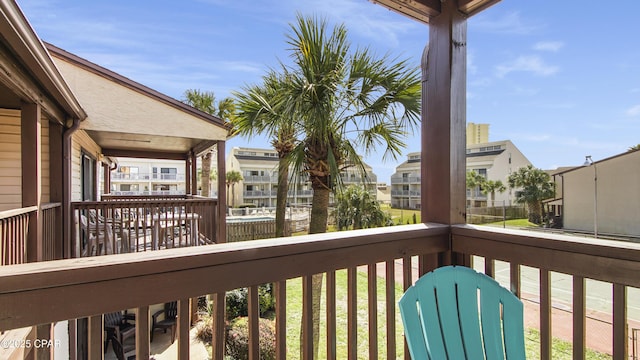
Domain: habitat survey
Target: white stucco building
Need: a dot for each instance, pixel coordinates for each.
(494, 160)
(604, 195)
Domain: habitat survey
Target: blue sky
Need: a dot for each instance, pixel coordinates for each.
(561, 79)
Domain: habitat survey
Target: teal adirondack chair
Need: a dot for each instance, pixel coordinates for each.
(457, 313)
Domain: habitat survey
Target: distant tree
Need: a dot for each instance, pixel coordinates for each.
(491, 186)
(347, 102)
(258, 112)
(205, 101)
(233, 177)
(356, 208)
(474, 180)
(634, 147)
(534, 186)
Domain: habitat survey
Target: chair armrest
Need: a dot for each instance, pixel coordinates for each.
(128, 316)
(155, 315)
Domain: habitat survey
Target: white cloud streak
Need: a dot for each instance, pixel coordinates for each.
(633, 111)
(552, 46)
(529, 63)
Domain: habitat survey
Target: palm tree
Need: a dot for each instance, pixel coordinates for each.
(356, 208)
(474, 180)
(490, 187)
(258, 113)
(346, 102)
(233, 177)
(535, 185)
(205, 101)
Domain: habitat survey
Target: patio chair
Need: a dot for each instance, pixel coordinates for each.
(118, 327)
(98, 241)
(122, 352)
(456, 313)
(169, 320)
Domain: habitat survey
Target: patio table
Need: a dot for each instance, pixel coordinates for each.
(162, 222)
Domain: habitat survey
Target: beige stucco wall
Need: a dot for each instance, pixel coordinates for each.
(10, 160)
(110, 105)
(618, 196)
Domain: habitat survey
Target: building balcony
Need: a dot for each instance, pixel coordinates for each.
(300, 193)
(389, 257)
(117, 177)
(256, 179)
(405, 180)
(371, 178)
(259, 193)
(405, 193)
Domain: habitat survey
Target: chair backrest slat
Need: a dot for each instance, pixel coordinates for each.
(457, 313)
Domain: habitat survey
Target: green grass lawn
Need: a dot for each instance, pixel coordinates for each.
(560, 349)
(522, 223)
(294, 313)
(401, 216)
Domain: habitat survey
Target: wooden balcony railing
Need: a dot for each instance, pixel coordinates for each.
(123, 225)
(13, 235)
(36, 294)
(51, 231)
(582, 260)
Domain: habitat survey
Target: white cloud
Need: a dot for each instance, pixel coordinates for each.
(510, 23)
(533, 64)
(633, 111)
(552, 46)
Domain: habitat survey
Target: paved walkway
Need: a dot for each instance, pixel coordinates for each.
(162, 349)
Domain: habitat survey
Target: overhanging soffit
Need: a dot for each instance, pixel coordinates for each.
(424, 10)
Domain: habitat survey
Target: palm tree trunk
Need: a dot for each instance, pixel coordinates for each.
(317, 224)
(281, 196)
(205, 175)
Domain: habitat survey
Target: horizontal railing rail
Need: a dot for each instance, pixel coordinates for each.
(614, 262)
(111, 283)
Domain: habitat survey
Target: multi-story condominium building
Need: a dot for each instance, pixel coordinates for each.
(148, 176)
(494, 160)
(477, 133)
(259, 185)
(405, 183)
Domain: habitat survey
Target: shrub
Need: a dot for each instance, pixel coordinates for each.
(237, 301)
(237, 339)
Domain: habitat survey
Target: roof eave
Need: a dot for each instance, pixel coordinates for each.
(21, 37)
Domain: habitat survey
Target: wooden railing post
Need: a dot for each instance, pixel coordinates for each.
(96, 337)
(142, 332)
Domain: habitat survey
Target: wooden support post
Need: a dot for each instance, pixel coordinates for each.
(620, 336)
(194, 175)
(183, 329)
(444, 118)
(187, 174)
(56, 182)
(96, 338)
(31, 143)
(106, 179)
(217, 339)
(142, 332)
(221, 221)
(579, 318)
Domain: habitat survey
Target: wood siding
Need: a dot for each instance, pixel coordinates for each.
(81, 142)
(10, 157)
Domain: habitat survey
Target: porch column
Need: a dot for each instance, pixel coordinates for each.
(444, 118)
(106, 179)
(194, 175)
(31, 143)
(187, 174)
(221, 231)
(56, 182)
